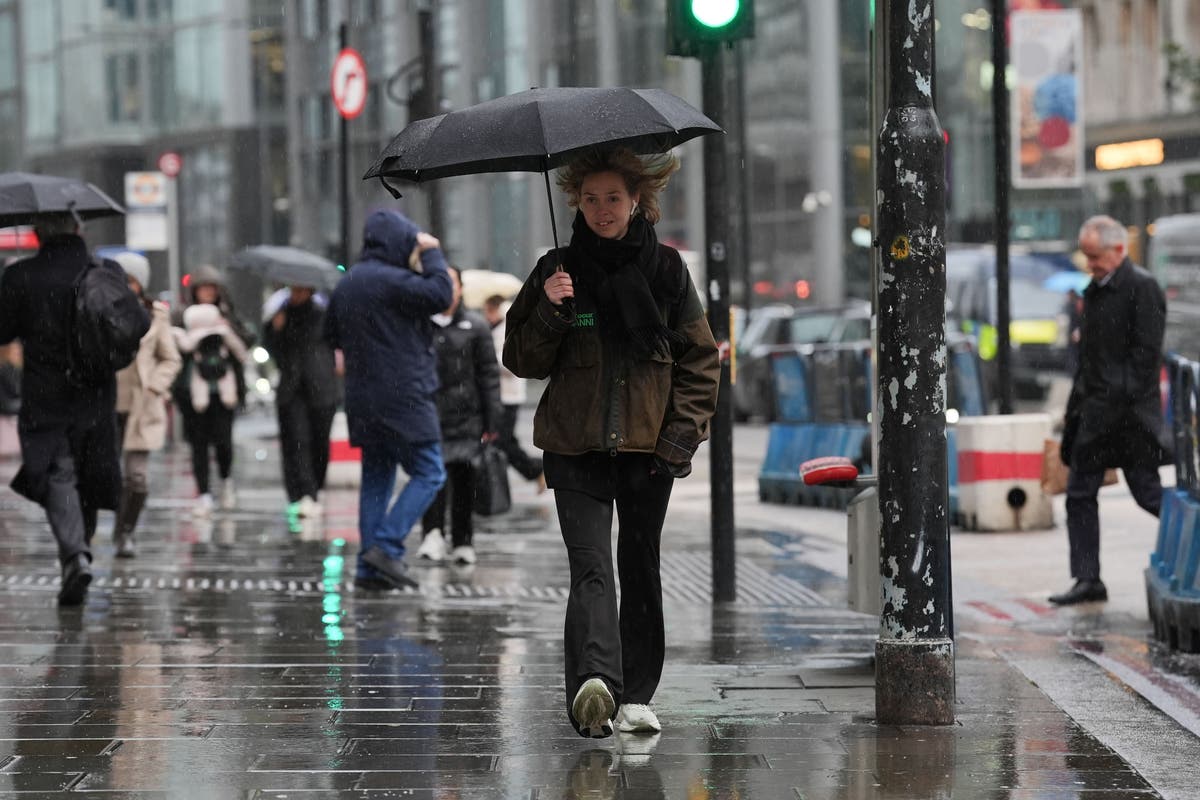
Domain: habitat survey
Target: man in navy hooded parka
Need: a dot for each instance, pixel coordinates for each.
(379, 317)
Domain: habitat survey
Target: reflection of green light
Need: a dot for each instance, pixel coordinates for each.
(333, 633)
(333, 565)
(332, 602)
(331, 619)
(334, 702)
(338, 543)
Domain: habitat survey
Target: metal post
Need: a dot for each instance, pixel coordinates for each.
(716, 231)
(914, 656)
(1000, 137)
(745, 180)
(173, 237)
(344, 165)
(431, 97)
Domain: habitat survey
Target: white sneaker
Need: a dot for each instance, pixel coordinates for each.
(593, 708)
(204, 506)
(637, 718)
(309, 508)
(464, 554)
(433, 546)
(228, 494)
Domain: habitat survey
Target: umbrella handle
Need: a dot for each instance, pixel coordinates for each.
(553, 225)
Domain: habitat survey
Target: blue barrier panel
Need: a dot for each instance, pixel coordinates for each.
(792, 390)
(1187, 553)
(1169, 520)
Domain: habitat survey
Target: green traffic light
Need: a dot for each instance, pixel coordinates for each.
(715, 13)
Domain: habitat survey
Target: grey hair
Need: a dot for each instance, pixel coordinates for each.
(1109, 232)
(55, 225)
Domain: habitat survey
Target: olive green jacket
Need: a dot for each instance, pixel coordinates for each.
(602, 397)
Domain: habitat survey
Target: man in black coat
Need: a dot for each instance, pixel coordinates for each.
(69, 457)
(1114, 416)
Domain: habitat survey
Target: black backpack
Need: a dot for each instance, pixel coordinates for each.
(106, 326)
(211, 358)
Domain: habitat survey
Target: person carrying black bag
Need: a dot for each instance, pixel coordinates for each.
(306, 397)
(619, 330)
(469, 411)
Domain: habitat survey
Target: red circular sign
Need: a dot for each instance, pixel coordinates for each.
(348, 83)
(170, 164)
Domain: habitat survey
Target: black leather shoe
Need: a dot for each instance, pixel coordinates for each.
(1081, 592)
(76, 577)
(392, 570)
(372, 585)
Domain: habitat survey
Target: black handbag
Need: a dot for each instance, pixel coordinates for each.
(492, 493)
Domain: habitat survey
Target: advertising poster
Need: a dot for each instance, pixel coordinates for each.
(1046, 51)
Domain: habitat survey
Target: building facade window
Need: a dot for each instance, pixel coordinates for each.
(124, 88)
(8, 53)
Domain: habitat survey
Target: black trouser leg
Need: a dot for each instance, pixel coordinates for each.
(222, 428)
(1146, 487)
(200, 439)
(591, 633)
(295, 448)
(320, 423)
(435, 515)
(460, 478)
(641, 509)
(526, 465)
(1083, 523)
(65, 512)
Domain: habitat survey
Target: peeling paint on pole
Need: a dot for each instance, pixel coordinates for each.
(915, 630)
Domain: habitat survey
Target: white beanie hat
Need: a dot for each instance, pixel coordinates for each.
(136, 266)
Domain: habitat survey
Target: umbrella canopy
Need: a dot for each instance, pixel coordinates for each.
(26, 197)
(538, 130)
(480, 284)
(287, 265)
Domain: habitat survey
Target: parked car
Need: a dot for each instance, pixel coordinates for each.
(775, 329)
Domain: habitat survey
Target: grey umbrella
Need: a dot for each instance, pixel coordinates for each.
(26, 197)
(287, 265)
(536, 131)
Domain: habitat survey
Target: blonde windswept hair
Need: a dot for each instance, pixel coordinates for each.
(645, 176)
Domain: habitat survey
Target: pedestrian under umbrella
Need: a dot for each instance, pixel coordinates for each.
(633, 373)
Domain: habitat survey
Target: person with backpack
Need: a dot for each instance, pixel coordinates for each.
(615, 322)
(213, 354)
(56, 302)
(307, 395)
(142, 390)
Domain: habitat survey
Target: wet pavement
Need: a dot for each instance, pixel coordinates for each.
(234, 658)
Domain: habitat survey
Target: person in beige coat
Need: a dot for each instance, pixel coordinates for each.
(142, 391)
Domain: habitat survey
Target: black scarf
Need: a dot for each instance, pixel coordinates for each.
(623, 276)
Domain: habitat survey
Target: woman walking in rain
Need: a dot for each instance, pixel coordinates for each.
(633, 369)
(307, 396)
(469, 412)
(143, 389)
(209, 389)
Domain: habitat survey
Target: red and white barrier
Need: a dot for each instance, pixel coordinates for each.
(999, 473)
(345, 462)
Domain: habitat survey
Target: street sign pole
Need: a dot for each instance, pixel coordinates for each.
(173, 276)
(1000, 138)
(914, 655)
(344, 167)
(716, 234)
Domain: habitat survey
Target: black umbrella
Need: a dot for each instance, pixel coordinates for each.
(25, 198)
(287, 265)
(536, 131)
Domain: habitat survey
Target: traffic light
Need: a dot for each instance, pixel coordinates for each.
(694, 24)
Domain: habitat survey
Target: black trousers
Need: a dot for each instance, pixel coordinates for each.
(624, 648)
(1083, 513)
(459, 491)
(211, 429)
(528, 466)
(304, 446)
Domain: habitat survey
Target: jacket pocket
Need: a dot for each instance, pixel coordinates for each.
(648, 395)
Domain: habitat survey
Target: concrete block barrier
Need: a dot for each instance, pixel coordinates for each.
(345, 462)
(999, 473)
